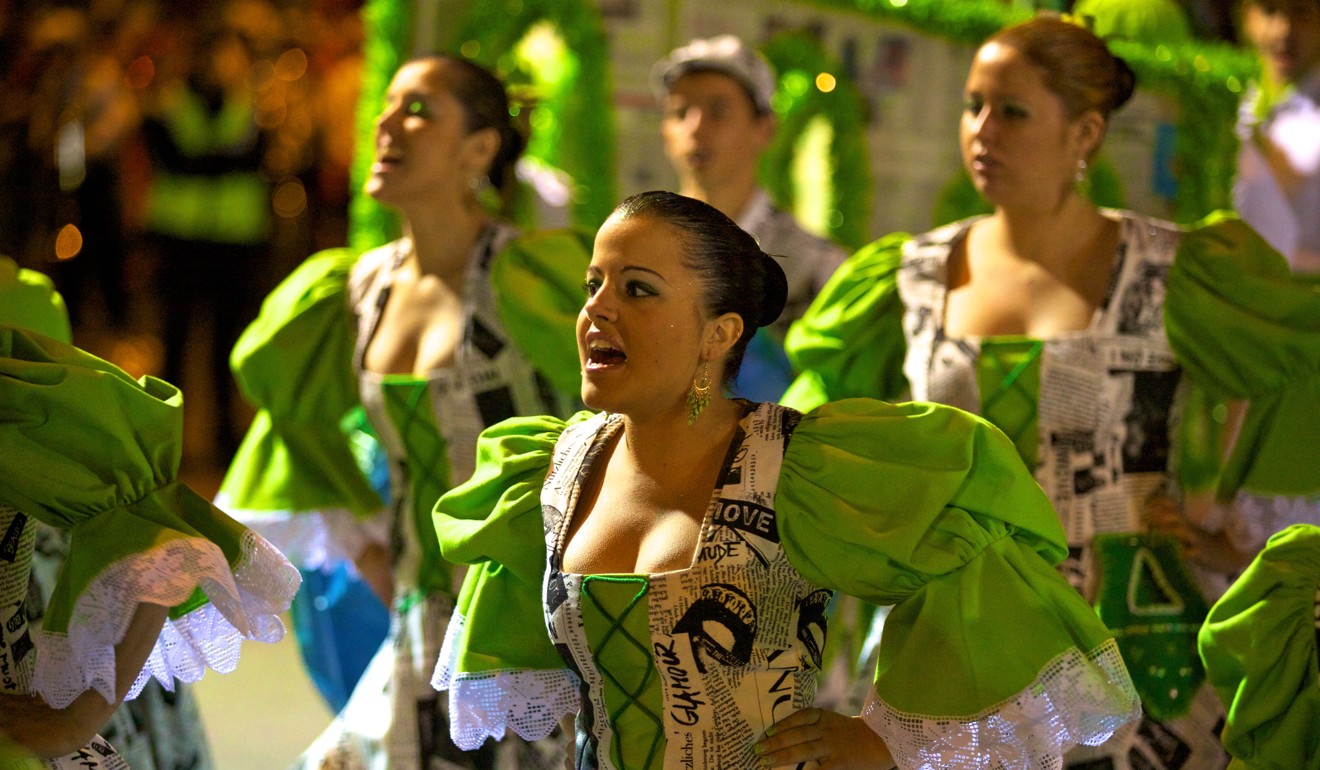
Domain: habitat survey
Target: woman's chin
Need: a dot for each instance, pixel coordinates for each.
(593, 398)
(373, 189)
(608, 400)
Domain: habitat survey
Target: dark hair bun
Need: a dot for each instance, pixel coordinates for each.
(1125, 82)
(774, 291)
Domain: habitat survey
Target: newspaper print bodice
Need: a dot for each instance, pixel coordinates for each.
(428, 424)
(21, 601)
(686, 669)
(1098, 436)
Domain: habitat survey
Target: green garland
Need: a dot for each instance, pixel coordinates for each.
(576, 125)
(1207, 81)
(387, 25)
(798, 58)
(961, 21)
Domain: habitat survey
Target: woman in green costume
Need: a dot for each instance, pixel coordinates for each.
(157, 729)
(459, 324)
(661, 569)
(1079, 332)
(157, 583)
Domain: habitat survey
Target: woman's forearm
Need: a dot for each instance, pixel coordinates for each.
(49, 732)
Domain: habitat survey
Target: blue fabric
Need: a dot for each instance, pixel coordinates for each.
(766, 372)
(339, 624)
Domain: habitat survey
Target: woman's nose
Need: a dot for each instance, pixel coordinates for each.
(386, 116)
(982, 125)
(599, 306)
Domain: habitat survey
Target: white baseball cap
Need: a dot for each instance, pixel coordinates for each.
(725, 54)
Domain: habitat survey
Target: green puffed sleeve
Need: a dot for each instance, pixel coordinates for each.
(295, 364)
(537, 282)
(15, 757)
(850, 342)
(90, 450)
(1244, 328)
(28, 300)
(1259, 645)
(497, 662)
(989, 656)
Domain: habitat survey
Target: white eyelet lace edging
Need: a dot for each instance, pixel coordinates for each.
(312, 539)
(244, 603)
(484, 705)
(1077, 699)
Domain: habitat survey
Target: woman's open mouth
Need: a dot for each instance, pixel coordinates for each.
(601, 354)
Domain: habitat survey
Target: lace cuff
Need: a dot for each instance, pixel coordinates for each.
(1077, 699)
(244, 603)
(313, 539)
(485, 704)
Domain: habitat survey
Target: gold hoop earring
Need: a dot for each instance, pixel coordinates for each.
(698, 397)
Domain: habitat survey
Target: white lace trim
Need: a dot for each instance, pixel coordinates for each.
(1077, 699)
(313, 539)
(244, 604)
(1254, 518)
(484, 705)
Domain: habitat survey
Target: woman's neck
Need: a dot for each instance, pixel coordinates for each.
(442, 240)
(1047, 237)
(664, 444)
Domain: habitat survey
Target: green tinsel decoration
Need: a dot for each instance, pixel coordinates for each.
(388, 34)
(575, 127)
(798, 58)
(1207, 80)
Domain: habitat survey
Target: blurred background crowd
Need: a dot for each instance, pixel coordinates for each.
(166, 163)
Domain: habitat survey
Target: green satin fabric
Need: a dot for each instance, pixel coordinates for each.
(1240, 323)
(1243, 327)
(1260, 648)
(28, 300)
(850, 342)
(919, 505)
(295, 363)
(93, 451)
(493, 522)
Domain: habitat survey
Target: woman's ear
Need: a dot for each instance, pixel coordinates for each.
(1088, 132)
(721, 335)
(479, 149)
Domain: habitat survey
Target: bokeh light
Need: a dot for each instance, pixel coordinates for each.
(69, 242)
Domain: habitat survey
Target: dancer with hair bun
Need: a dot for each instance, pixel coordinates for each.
(661, 570)
(1120, 353)
(415, 347)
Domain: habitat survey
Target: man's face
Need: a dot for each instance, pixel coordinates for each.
(1286, 33)
(711, 129)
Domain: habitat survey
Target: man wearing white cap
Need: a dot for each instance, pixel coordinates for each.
(717, 121)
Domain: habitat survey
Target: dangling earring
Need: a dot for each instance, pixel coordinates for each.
(485, 193)
(698, 396)
(1081, 171)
